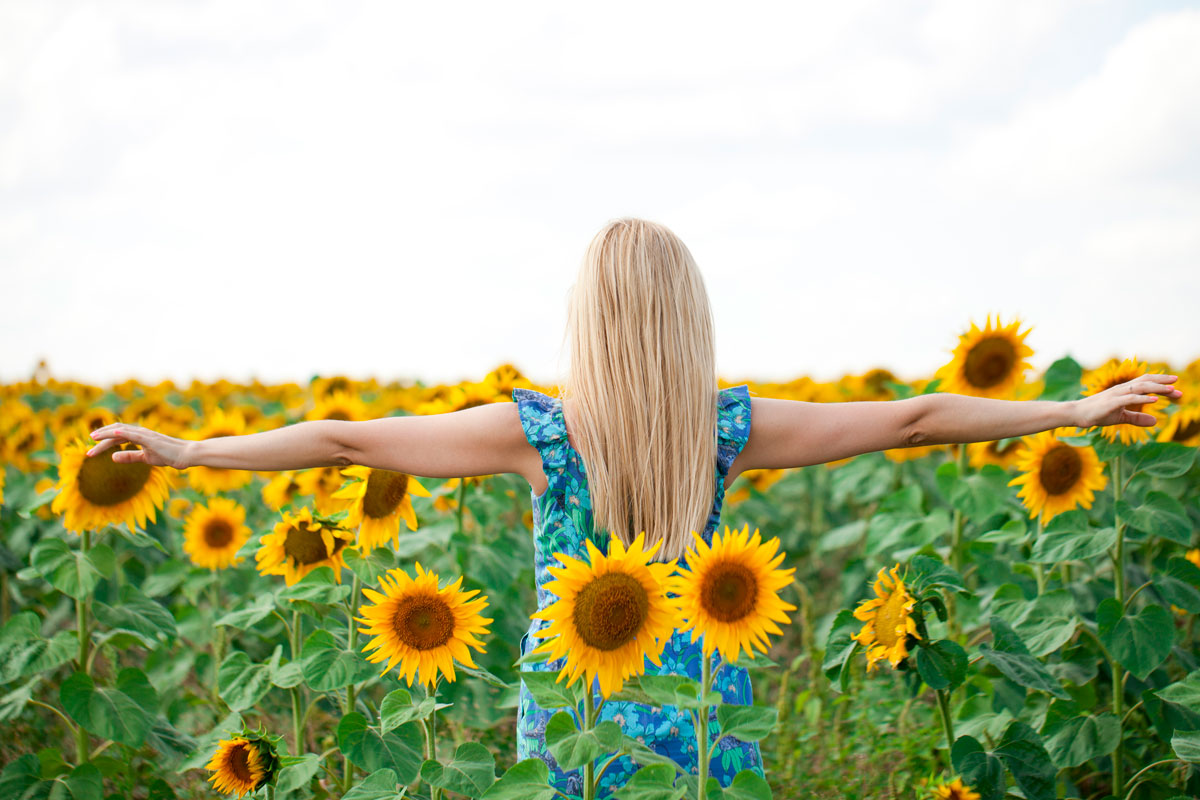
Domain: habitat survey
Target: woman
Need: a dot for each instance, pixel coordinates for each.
(640, 408)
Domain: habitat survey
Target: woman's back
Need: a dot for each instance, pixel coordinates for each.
(562, 520)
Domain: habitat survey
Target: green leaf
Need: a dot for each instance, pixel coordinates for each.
(401, 750)
(942, 664)
(123, 714)
(379, 785)
(1164, 459)
(1068, 537)
(243, 683)
(20, 775)
(528, 779)
(288, 676)
(1015, 531)
(747, 723)
(73, 572)
(471, 772)
(840, 646)
(20, 658)
(980, 770)
(328, 667)
(1048, 622)
(1009, 655)
(206, 745)
(370, 567)
(318, 586)
(485, 676)
(930, 573)
(1184, 693)
(165, 579)
(1073, 739)
(1180, 584)
(1186, 745)
(655, 782)
(398, 708)
(1163, 515)
(138, 615)
(297, 774)
(548, 693)
(573, 748)
(251, 615)
(746, 785)
(1139, 642)
(1063, 380)
(748, 659)
(1022, 752)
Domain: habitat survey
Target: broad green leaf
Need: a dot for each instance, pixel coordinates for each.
(206, 744)
(1184, 693)
(20, 775)
(1164, 459)
(842, 536)
(979, 769)
(249, 616)
(318, 586)
(1076, 740)
(942, 664)
(746, 785)
(123, 713)
(289, 675)
(1062, 380)
(22, 658)
(1009, 655)
(470, 773)
(138, 615)
(747, 723)
(298, 774)
(548, 693)
(573, 748)
(243, 683)
(1186, 745)
(1048, 622)
(370, 567)
(1015, 531)
(1026, 758)
(1163, 515)
(73, 572)
(382, 784)
(1180, 584)
(171, 743)
(401, 750)
(398, 708)
(655, 782)
(930, 573)
(484, 675)
(165, 579)
(840, 646)
(1068, 537)
(328, 667)
(1139, 642)
(528, 779)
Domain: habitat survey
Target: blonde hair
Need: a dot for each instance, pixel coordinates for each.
(643, 385)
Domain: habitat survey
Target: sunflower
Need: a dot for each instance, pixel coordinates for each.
(462, 396)
(888, 624)
(901, 454)
(955, 790)
(380, 499)
(1110, 374)
(731, 593)
(243, 763)
(421, 627)
(447, 496)
(324, 387)
(94, 491)
(988, 362)
(610, 615)
(1184, 425)
(1057, 476)
(760, 479)
(322, 483)
(299, 544)
(179, 507)
(211, 480)
(339, 405)
(281, 490)
(214, 533)
(981, 453)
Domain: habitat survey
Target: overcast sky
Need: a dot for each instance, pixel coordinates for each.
(404, 190)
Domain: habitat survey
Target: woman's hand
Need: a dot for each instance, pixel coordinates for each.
(158, 450)
(1120, 404)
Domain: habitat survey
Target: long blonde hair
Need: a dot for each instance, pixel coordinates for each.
(643, 385)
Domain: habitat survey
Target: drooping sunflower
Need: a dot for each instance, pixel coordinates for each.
(211, 480)
(955, 790)
(213, 534)
(94, 491)
(1109, 374)
(243, 763)
(1056, 476)
(730, 595)
(379, 499)
(888, 621)
(610, 615)
(339, 405)
(988, 362)
(422, 628)
(299, 544)
(980, 453)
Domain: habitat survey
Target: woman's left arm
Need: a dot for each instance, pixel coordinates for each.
(949, 418)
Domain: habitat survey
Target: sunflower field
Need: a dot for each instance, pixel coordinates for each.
(1012, 618)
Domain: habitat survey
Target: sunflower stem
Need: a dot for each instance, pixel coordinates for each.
(298, 716)
(219, 639)
(81, 625)
(956, 546)
(947, 722)
(462, 502)
(1118, 754)
(351, 690)
(430, 727)
(702, 728)
(589, 722)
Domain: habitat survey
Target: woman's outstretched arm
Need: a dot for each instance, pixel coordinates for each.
(477, 441)
(791, 433)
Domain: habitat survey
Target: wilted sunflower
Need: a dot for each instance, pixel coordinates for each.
(421, 627)
(94, 491)
(243, 763)
(610, 615)
(1056, 476)
(211, 480)
(214, 533)
(731, 593)
(988, 362)
(955, 790)
(339, 405)
(981, 453)
(379, 499)
(888, 624)
(1110, 374)
(299, 544)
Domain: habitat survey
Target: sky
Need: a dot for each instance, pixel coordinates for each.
(405, 191)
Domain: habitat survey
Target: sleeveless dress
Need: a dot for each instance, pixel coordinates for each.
(666, 730)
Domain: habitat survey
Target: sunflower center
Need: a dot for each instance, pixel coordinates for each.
(890, 623)
(610, 610)
(107, 483)
(304, 545)
(1185, 432)
(423, 622)
(729, 592)
(1061, 468)
(989, 362)
(239, 764)
(385, 490)
(217, 533)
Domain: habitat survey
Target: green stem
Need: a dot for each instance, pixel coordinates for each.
(71, 726)
(219, 640)
(702, 728)
(298, 716)
(947, 721)
(1039, 569)
(430, 726)
(81, 625)
(462, 502)
(1144, 770)
(589, 722)
(1118, 754)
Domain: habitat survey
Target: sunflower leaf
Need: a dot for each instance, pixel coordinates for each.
(1068, 537)
(655, 782)
(73, 572)
(296, 772)
(1163, 515)
(1139, 641)
(382, 784)
(528, 779)
(470, 773)
(980, 770)
(371, 566)
(251, 615)
(942, 664)
(1164, 459)
(205, 745)
(746, 785)
(401, 750)
(1186, 745)
(327, 666)
(243, 683)
(1075, 739)
(930, 573)
(122, 714)
(22, 656)
(398, 708)
(485, 676)
(1025, 756)
(138, 615)
(548, 693)
(573, 748)
(1009, 655)
(1180, 584)
(747, 723)
(318, 586)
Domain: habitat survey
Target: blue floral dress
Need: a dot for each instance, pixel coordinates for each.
(666, 730)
